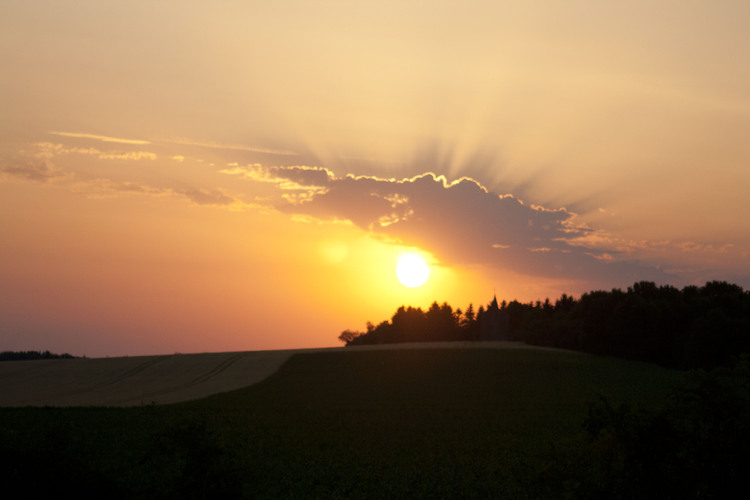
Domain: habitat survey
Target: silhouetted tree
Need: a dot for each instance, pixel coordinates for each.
(348, 336)
(469, 325)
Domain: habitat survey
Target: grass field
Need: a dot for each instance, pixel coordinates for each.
(422, 423)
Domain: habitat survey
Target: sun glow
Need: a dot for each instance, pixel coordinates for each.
(412, 270)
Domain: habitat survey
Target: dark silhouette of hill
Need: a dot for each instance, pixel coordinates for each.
(696, 327)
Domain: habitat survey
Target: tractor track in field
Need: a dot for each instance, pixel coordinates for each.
(106, 382)
(137, 369)
(221, 367)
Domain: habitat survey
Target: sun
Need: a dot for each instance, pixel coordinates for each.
(412, 270)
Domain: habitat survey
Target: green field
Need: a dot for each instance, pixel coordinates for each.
(422, 423)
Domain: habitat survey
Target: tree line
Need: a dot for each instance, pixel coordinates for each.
(26, 355)
(412, 324)
(695, 327)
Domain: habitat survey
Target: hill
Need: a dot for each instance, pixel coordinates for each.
(457, 422)
(140, 380)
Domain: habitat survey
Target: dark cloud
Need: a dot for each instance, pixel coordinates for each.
(464, 222)
(33, 171)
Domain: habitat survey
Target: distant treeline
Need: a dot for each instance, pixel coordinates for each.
(696, 327)
(25, 355)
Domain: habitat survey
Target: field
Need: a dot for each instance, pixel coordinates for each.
(428, 423)
(133, 381)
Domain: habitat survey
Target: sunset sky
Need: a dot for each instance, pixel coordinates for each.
(218, 176)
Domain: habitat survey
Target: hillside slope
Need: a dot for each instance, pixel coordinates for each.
(142, 380)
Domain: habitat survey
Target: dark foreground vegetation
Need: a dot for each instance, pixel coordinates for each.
(695, 446)
(27, 355)
(426, 423)
(421, 423)
(696, 327)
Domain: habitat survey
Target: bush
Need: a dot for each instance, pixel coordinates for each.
(697, 447)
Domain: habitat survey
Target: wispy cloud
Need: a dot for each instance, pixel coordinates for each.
(102, 138)
(206, 197)
(128, 155)
(109, 188)
(50, 150)
(236, 147)
(41, 171)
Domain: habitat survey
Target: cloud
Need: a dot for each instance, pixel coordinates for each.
(104, 188)
(206, 197)
(101, 187)
(38, 171)
(236, 147)
(108, 188)
(102, 138)
(692, 246)
(286, 177)
(49, 150)
(130, 155)
(459, 221)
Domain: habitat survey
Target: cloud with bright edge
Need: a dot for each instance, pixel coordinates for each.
(459, 221)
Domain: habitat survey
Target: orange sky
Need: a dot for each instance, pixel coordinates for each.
(222, 176)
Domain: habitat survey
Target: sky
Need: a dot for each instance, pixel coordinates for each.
(222, 176)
